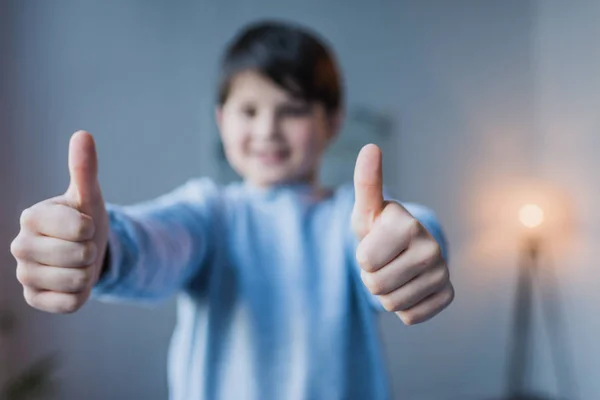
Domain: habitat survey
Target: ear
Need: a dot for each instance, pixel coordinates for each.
(219, 116)
(335, 120)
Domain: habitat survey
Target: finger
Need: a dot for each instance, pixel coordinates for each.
(390, 235)
(429, 307)
(416, 290)
(389, 278)
(55, 252)
(421, 257)
(368, 188)
(44, 277)
(59, 221)
(54, 302)
(83, 170)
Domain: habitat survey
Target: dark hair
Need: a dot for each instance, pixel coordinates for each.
(293, 57)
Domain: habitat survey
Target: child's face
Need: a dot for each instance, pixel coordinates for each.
(271, 137)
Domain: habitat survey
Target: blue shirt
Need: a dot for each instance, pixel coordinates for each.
(270, 300)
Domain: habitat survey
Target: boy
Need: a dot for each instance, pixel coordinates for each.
(278, 279)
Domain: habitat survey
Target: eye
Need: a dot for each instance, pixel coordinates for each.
(249, 111)
(294, 110)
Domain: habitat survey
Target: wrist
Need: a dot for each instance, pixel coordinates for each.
(105, 263)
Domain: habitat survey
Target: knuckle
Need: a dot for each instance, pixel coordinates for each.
(362, 258)
(378, 286)
(448, 295)
(84, 228)
(79, 280)
(413, 226)
(365, 265)
(431, 255)
(392, 220)
(87, 253)
(392, 212)
(24, 276)
(26, 217)
(441, 277)
(387, 218)
(408, 318)
(69, 304)
(18, 247)
(389, 304)
(31, 298)
(373, 283)
(436, 251)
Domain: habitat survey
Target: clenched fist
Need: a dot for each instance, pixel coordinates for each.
(401, 262)
(61, 245)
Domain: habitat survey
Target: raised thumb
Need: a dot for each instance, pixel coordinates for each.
(368, 188)
(83, 169)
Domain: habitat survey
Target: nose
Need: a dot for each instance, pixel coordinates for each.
(267, 126)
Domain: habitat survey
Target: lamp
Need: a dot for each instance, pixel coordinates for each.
(532, 218)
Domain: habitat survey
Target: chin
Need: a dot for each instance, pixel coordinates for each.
(265, 182)
(270, 176)
(271, 179)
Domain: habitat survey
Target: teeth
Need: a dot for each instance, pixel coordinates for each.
(270, 154)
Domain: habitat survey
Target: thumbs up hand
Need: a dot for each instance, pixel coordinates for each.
(400, 261)
(61, 245)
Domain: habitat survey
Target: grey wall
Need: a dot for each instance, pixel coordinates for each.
(8, 184)
(135, 75)
(463, 87)
(568, 139)
(461, 80)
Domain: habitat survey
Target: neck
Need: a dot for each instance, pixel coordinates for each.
(309, 185)
(310, 181)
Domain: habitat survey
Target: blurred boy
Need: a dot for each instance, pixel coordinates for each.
(279, 280)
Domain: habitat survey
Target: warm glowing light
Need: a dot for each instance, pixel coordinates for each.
(531, 215)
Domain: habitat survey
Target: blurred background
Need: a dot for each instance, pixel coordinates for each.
(481, 106)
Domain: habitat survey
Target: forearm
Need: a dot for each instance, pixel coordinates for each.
(149, 256)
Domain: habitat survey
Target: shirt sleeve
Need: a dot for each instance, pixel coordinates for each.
(156, 247)
(421, 213)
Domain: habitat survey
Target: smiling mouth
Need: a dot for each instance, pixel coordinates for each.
(271, 157)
